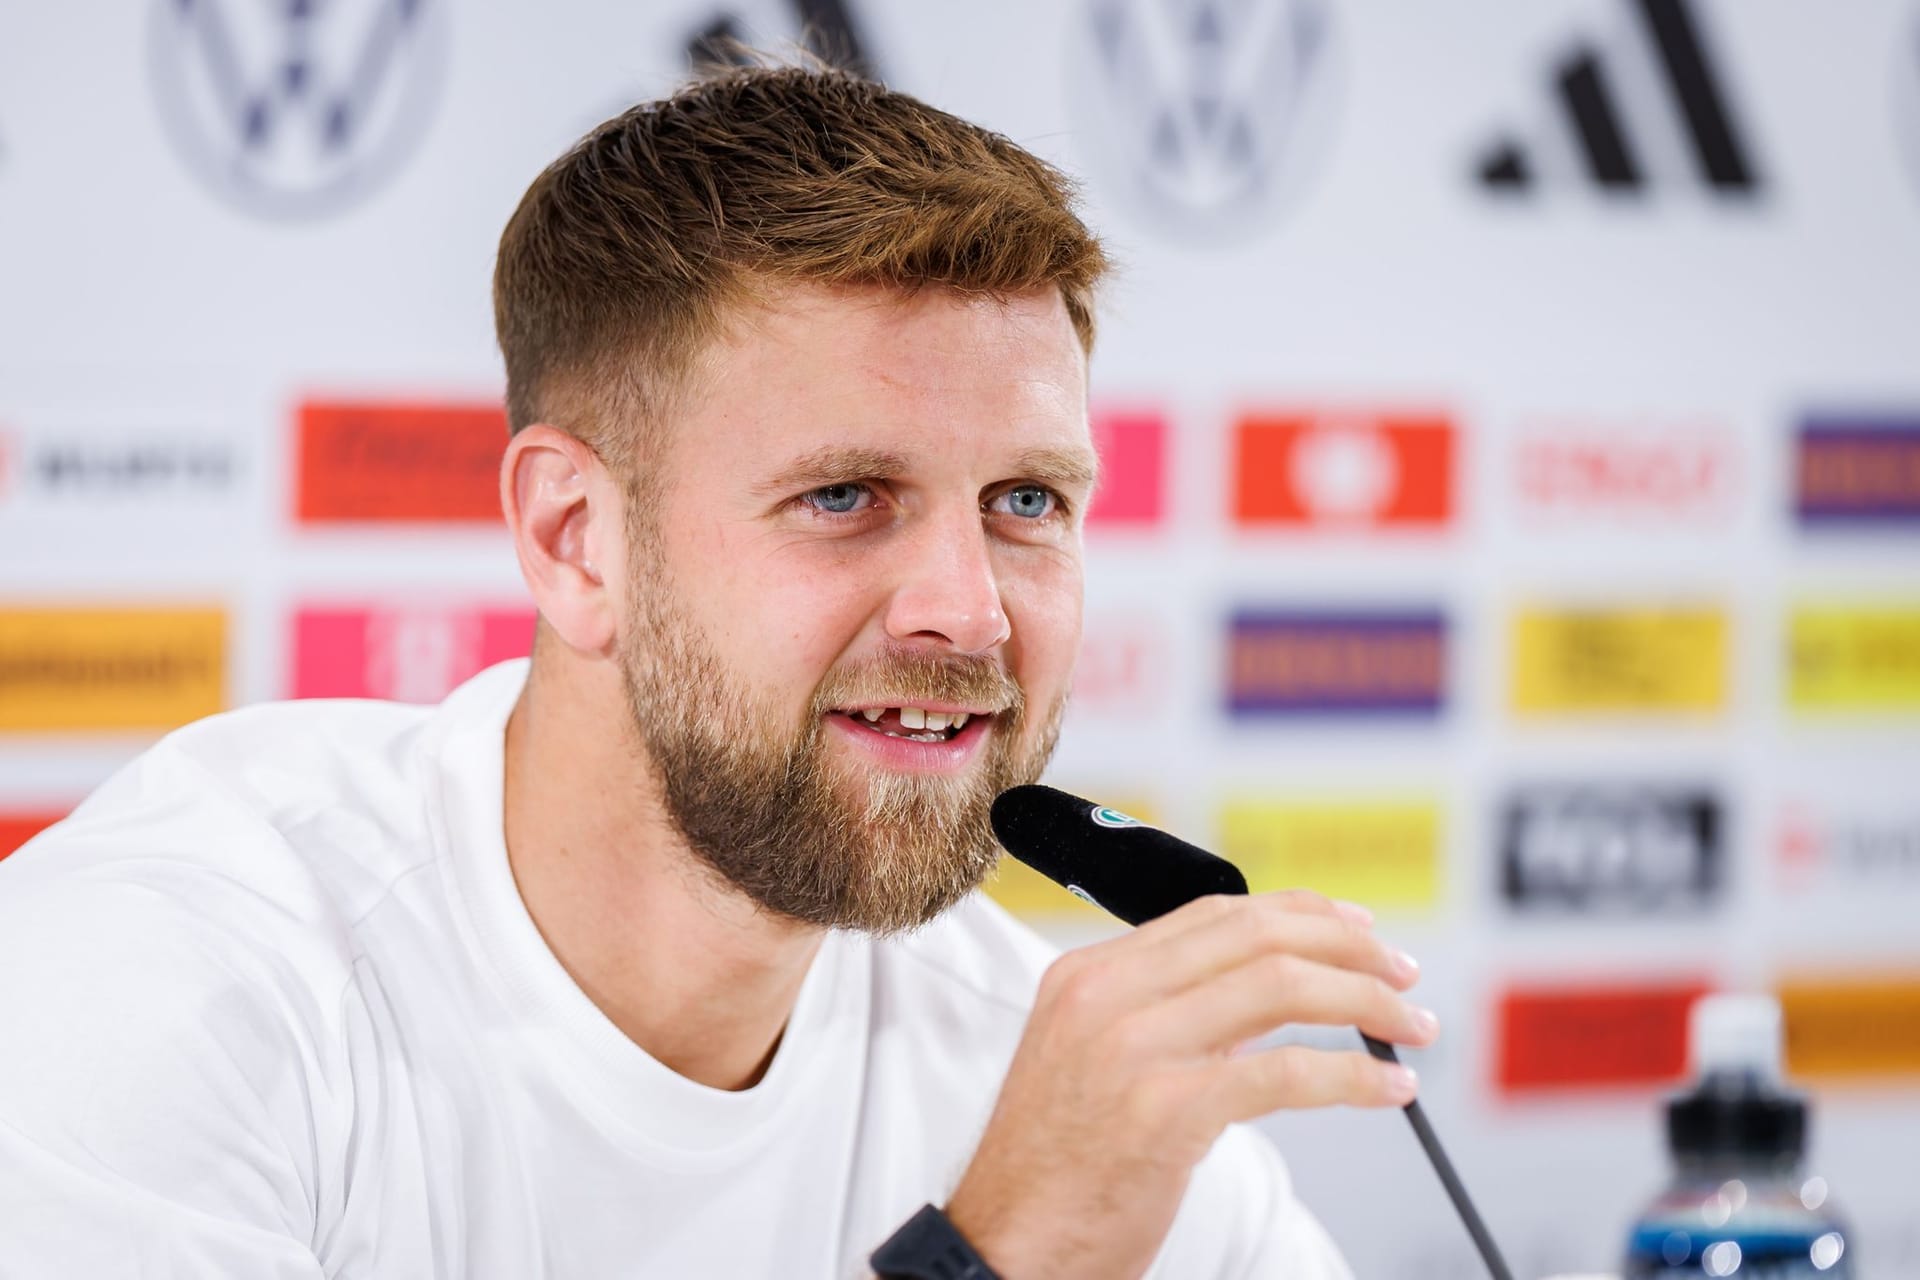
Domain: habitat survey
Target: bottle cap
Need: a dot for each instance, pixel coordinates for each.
(1739, 1033)
(1739, 1109)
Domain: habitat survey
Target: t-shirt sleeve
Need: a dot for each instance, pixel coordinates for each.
(152, 1119)
(1241, 1221)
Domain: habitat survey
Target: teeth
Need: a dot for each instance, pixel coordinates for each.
(912, 718)
(938, 721)
(873, 713)
(960, 720)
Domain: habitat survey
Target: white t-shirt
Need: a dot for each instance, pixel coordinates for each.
(271, 1007)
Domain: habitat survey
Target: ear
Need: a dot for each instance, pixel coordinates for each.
(566, 514)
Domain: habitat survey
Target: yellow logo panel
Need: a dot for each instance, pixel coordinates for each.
(1031, 896)
(1852, 1029)
(1607, 661)
(1383, 853)
(1854, 659)
(110, 669)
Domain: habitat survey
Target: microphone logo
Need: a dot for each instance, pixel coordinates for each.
(1105, 817)
(1083, 895)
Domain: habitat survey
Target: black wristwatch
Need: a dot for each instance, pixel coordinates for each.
(929, 1247)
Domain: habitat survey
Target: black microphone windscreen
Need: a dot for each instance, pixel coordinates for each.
(1130, 869)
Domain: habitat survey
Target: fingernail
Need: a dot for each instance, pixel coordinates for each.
(1424, 1021)
(1402, 1083)
(1353, 911)
(1405, 965)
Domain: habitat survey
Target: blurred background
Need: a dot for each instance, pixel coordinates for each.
(1511, 412)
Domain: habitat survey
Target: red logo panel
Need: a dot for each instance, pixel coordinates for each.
(416, 462)
(18, 828)
(1581, 1037)
(404, 654)
(1355, 470)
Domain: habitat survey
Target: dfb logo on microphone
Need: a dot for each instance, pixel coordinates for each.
(1635, 849)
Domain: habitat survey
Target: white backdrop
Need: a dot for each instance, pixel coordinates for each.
(1615, 362)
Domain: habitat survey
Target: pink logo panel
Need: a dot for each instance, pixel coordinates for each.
(1133, 456)
(402, 653)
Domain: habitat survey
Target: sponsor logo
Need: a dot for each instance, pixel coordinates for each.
(1282, 662)
(1851, 1028)
(404, 654)
(1340, 470)
(376, 460)
(1649, 110)
(18, 828)
(1384, 851)
(296, 110)
(1133, 463)
(1906, 102)
(1106, 817)
(825, 28)
(1878, 850)
(1593, 1036)
(1611, 848)
(1206, 118)
(109, 669)
(1624, 473)
(118, 468)
(1031, 896)
(1858, 471)
(1583, 661)
(1122, 667)
(1865, 659)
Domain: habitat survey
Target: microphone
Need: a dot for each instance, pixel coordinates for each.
(1137, 873)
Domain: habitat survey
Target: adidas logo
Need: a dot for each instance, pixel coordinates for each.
(1642, 110)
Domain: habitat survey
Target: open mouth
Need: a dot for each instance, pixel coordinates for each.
(915, 724)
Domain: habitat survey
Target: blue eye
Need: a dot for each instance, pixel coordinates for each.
(1029, 501)
(838, 499)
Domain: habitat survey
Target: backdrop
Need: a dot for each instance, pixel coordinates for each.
(1512, 418)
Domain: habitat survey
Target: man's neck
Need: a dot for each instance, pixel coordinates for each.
(690, 971)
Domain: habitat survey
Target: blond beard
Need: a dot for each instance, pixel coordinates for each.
(875, 851)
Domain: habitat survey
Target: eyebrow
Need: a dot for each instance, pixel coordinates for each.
(1062, 468)
(843, 464)
(832, 464)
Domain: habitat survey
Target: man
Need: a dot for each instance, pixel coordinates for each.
(658, 955)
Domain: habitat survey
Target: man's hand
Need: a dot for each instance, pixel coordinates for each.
(1132, 1064)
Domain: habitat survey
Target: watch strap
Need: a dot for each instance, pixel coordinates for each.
(929, 1247)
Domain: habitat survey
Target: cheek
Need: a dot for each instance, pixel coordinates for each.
(1043, 606)
(778, 621)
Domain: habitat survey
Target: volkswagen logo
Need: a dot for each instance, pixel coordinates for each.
(298, 108)
(1204, 117)
(1906, 91)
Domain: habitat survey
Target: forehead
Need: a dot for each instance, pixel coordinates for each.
(932, 372)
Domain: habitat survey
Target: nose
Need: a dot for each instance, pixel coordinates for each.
(947, 592)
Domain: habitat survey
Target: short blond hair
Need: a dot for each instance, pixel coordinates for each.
(626, 254)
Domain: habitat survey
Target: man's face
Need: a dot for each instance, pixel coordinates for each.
(856, 577)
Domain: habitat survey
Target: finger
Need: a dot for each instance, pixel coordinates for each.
(1215, 907)
(1241, 930)
(1273, 990)
(1294, 1077)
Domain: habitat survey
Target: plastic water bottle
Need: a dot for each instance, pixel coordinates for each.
(1740, 1203)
